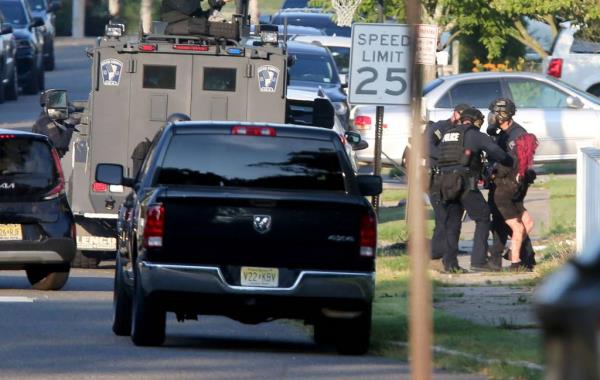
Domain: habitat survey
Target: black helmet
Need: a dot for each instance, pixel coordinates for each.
(504, 108)
(175, 117)
(473, 115)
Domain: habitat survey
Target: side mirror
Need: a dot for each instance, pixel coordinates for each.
(370, 185)
(112, 174)
(56, 104)
(344, 80)
(323, 113)
(54, 6)
(37, 22)
(6, 29)
(574, 102)
(291, 60)
(356, 141)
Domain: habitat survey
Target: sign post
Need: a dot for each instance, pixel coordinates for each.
(379, 74)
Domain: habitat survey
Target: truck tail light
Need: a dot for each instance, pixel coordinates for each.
(362, 122)
(99, 187)
(190, 47)
(368, 235)
(555, 67)
(154, 226)
(147, 47)
(60, 186)
(253, 131)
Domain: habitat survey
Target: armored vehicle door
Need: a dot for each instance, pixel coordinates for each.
(266, 89)
(219, 88)
(160, 87)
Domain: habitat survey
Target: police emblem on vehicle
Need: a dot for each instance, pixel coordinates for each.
(267, 78)
(111, 71)
(262, 223)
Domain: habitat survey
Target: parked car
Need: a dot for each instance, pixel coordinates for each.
(574, 61)
(46, 10)
(9, 87)
(560, 115)
(37, 229)
(338, 46)
(313, 17)
(313, 68)
(30, 44)
(305, 236)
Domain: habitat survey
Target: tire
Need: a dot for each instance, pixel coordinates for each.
(48, 277)
(33, 84)
(12, 88)
(148, 319)
(83, 261)
(122, 304)
(353, 335)
(50, 62)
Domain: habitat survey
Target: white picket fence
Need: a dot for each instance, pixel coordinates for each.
(588, 198)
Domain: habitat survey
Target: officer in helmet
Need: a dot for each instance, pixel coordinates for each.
(187, 17)
(459, 163)
(509, 187)
(433, 134)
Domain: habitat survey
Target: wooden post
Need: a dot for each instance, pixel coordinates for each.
(420, 312)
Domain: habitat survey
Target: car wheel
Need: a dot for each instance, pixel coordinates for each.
(12, 89)
(48, 277)
(121, 303)
(83, 261)
(50, 61)
(32, 85)
(353, 335)
(148, 319)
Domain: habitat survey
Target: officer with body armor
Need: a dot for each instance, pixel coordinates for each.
(58, 131)
(508, 188)
(186, 17)
(459, 165)
(439, 241)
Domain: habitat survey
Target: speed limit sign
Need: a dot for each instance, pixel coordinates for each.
(379, 64)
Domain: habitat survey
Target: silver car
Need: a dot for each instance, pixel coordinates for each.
(562, 117)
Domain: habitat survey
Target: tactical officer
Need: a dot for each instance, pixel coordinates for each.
(509, 216)
(459, 163)
(59, 132)
(187, 17)
(439, 241)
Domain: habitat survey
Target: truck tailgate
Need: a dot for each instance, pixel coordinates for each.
(265, 229)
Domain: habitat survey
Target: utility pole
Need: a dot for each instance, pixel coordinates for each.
(78, 19)
(146, 15)
(114, 8)
(420, 310)
(378, 127)
(254, 12)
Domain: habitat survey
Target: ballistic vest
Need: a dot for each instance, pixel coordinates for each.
(452, 148)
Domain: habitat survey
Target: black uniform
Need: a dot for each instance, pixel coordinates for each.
(460, 165)
(186, 16)
(442, 235)
(59, 134)
(502, 201)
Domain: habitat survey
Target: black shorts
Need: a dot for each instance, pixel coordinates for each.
(508, 207)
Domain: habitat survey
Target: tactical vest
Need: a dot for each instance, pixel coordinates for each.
(452, 148)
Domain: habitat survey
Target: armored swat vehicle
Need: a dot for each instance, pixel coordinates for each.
(138, 81)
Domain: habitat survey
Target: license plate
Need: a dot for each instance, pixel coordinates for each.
(98, 243)
(10, 232)
(265, 277)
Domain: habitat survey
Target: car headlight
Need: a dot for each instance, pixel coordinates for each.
(341, 108)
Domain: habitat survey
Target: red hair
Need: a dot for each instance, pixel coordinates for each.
(525, 147)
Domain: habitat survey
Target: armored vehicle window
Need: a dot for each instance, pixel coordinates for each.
(160, 76)
(252, 162)
(217, 79)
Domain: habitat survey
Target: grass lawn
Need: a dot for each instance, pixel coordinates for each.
(562, 205)
(390, 325)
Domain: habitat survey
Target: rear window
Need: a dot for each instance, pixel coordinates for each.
(26, 167)
(252, 162)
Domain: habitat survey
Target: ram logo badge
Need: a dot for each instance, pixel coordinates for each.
(341, 238)
(262, 223)
(7, 186)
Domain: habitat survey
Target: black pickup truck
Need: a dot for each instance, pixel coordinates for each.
(251, 221)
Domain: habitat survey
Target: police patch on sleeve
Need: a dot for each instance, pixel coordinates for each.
(267, 78)
(111, 71)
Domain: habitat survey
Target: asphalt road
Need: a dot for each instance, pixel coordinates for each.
(67, 334)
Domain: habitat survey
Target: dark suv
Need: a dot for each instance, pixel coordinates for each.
(37, 230)
(46, 10)
(9, 88)
(30, 44)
